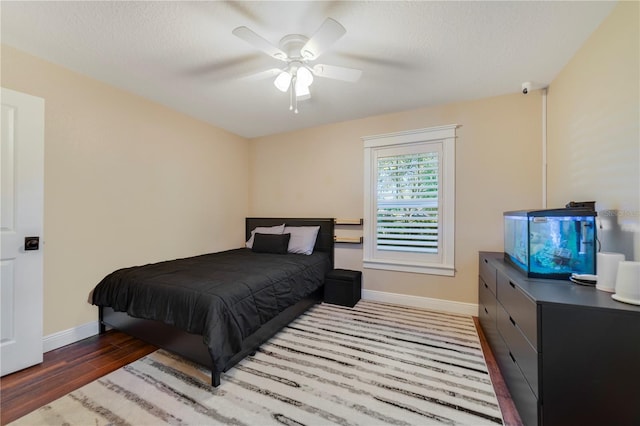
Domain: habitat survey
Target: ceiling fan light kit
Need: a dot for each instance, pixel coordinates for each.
(304, 76)
(283, 81)
(297, 51)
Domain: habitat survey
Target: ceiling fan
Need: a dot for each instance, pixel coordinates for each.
(298, 52)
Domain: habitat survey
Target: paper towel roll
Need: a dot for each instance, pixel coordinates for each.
(607, 268)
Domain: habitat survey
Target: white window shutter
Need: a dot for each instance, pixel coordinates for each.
(409, 201)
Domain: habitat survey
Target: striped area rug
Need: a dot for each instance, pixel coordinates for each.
(372, 364)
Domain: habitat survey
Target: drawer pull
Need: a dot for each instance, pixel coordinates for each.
(485, 309)
(486, 261)
(512, 284)
(485, 285)
(512, 358)
(512, 321)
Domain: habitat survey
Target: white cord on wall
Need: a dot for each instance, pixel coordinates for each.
(544, 148)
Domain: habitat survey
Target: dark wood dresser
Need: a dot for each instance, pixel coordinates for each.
(569, 354)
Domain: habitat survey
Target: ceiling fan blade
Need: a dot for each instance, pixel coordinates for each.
(328, 33)
(337, 73)
(261, 75)
(259, 43)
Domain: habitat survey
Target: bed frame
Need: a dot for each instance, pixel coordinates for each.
(191, 346)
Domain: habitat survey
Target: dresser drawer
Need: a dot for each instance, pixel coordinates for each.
(518, 305)
(487, 299)
(488, 273)
(522, 395)
(524, 355)
(487, 311)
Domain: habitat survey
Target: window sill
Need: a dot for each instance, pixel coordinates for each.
(430, 269)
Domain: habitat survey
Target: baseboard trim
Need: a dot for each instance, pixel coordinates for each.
(421, 302)
(67, 337)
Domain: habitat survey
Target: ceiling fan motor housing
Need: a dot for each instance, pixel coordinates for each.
(292, 45)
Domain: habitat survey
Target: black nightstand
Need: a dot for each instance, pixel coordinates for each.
(342, 287)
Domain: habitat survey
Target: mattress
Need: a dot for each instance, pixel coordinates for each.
(224, 296)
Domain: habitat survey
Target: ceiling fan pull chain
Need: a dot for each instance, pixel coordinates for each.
(293, 93)
(290, 99)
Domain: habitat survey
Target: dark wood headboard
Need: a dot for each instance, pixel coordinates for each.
(324, 242)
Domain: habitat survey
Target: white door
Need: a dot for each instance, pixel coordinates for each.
(21, 218)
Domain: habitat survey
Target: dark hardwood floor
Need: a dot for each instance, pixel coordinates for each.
(68, 368)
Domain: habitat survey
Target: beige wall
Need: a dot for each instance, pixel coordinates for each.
(593, 154)
(319, 172)
(594, 138)
(127, 181)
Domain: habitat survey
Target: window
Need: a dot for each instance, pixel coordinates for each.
(410, 201)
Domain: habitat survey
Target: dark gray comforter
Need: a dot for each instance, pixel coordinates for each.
(223, 296)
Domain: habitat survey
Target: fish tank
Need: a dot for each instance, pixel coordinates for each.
(551, 243)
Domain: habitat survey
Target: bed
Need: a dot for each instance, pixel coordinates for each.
(217, 308)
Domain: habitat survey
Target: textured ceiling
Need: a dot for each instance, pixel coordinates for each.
(412, 54)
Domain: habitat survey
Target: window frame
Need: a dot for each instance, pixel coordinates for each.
(442, 137)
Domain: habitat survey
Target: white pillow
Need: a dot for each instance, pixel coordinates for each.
(303, 238)
(278, 229)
